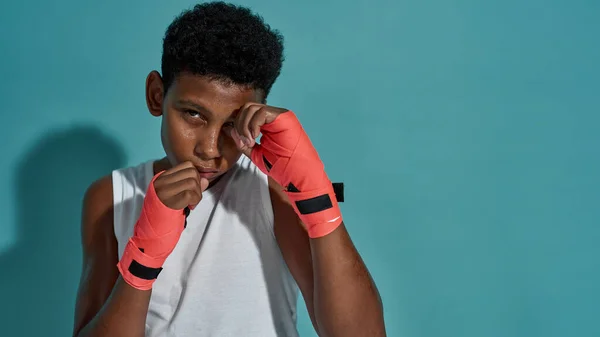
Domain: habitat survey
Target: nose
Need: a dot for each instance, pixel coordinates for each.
(209, 144)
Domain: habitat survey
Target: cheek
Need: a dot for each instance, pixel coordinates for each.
(178, 137)
(226, 141)
(229, 151)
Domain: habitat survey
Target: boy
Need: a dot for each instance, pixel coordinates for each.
(215, 238)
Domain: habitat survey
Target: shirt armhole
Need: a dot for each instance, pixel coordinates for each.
(267, 205)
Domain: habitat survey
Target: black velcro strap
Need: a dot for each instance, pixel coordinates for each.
(314, 205)
(143, 272)
(338, 189)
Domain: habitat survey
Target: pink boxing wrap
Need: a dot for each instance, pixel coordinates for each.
(287, 155)
(155, 235)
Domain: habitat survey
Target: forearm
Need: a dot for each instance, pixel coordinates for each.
(123, 314)
(346, 300)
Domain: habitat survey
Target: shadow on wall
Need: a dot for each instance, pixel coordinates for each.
(40, 276)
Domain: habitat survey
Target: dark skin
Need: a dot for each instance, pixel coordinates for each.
(203, 126)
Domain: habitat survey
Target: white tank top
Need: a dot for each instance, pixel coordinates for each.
(226, 276)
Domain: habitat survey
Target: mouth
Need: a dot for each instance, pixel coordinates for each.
(207, 173)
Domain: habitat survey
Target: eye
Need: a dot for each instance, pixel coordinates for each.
(192, 113)
(193, 117)
(228, 125)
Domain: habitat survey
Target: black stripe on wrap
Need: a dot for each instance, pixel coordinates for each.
(338, 190)
(143, 272)
(314, 205)
(267, 164)
(292, 188)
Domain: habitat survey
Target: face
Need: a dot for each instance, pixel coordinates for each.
(197, 117)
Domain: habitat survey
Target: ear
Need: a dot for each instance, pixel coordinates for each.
(154, 93)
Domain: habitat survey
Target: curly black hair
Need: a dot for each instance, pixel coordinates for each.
(224, 42)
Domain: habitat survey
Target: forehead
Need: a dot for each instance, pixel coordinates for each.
(215, 95)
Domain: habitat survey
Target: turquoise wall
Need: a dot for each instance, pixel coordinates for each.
(467, 133)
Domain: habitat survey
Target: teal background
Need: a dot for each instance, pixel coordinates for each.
(467, 133)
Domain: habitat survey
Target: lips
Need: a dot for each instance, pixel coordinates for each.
(206, 170)
(207, 173)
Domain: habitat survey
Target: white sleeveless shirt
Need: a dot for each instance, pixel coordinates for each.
(226, 276)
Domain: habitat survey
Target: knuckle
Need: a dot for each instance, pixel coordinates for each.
(256, 110)
(159, 186)
(188, 194)
(191, 173)
(189, 169)
(191, 183)
(240, 129)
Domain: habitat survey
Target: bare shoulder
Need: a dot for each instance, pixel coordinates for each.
(99, 247)
(97, 213)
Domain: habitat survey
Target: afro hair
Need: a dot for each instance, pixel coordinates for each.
(223, 42)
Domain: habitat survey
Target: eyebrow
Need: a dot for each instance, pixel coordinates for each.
(194, 105)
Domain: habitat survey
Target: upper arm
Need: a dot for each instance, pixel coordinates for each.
(100, 257)
(294, 244)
